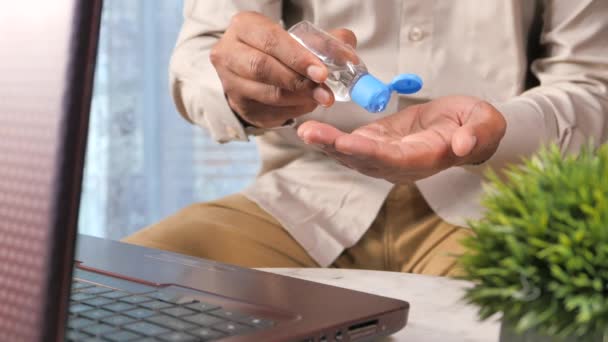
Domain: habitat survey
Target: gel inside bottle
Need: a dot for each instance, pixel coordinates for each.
(348, 76)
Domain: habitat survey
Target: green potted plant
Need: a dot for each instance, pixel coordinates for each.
(540, 254)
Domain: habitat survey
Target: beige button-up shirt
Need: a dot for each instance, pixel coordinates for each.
(470, 47)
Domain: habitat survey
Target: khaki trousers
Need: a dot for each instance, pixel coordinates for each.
(406, 236)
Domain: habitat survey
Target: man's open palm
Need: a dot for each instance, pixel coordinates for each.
(417, 142)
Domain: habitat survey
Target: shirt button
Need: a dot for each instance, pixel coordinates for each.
(416, 34)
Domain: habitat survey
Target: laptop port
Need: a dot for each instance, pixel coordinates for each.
(339, 335)
(363, 329)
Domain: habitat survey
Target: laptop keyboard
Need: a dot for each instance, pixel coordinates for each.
(99, 313)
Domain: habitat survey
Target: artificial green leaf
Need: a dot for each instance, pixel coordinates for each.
(544, 238)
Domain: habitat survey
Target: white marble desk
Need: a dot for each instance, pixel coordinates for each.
(436, 311)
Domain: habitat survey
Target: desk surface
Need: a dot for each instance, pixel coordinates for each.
(437, 312)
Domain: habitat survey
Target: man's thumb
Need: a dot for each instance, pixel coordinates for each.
(463, 142)
(480, 134)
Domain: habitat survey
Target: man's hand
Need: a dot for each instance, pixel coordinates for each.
(417, 142)
(268, 77)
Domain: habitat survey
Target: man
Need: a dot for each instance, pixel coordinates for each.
(345, 188)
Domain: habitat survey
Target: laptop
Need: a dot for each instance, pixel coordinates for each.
(106, 290)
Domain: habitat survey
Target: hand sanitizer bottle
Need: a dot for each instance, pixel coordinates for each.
(348, 77)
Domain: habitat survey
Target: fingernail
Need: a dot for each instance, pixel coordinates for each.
(321, 95)
(303, 134)
(467, 145)
(472, 142)
(315, 73)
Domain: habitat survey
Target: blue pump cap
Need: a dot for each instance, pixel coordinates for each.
(370, 93)
(373, 95)
(406, 83)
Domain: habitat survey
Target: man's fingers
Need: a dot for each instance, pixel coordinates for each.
(269, 94)
(373, 156)
(255, 65)
(323, 95)
(345, 35)
(420, 151)
(359, 145)
(314, 132)
(268, 37)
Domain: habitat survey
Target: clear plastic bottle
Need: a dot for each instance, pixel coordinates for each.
(348, 77)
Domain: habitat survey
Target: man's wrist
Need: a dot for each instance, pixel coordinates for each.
(243, 122)
(256, 130)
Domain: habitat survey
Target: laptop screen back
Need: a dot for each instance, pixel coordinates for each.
(47, 53)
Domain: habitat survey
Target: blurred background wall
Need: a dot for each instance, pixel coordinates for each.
(144, 161)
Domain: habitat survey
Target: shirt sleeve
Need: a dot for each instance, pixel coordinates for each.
(195, 86)
(570, 106)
